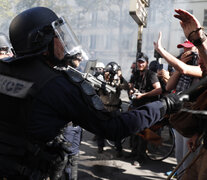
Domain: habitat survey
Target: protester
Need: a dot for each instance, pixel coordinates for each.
(145, 82)
(187, 73)
(144, 87)
(194, 32)
(162, 74)
(180, 66)
(133, 68)
(112, 102)
(153, 66)
(44, 97)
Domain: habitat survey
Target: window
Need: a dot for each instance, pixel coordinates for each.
(125, 42)
(93, 41)
(205, 18)
(110, 18)
(94, 19)
(108, 42)
(79, 38)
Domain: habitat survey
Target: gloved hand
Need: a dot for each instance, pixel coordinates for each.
(171, 103)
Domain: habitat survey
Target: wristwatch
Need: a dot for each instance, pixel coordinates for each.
(200, 40)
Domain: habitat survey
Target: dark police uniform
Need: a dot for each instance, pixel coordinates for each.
(112, 102)
(73, 135)
(37, 101)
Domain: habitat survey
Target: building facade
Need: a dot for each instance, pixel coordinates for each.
(160, 19)
(108, 32)
(196, 7)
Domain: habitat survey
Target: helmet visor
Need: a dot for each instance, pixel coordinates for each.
(68, 39)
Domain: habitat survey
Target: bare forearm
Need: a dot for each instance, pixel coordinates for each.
(176, 63)
(171, 84)
(154, 92)
(180, 66)
(203, 51)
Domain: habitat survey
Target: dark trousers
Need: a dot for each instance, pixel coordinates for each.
(71, 170)
(139, 146)
(101, 143)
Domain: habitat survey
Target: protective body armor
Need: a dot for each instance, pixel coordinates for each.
(18, 87)
(19, 84)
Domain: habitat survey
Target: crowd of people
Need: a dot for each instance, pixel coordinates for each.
(45, 104)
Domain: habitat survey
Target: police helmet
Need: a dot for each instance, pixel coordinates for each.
(100, 65)
(112, 67)
(31, 30)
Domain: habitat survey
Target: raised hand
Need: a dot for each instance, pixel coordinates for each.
(188, 22)
(158, 44)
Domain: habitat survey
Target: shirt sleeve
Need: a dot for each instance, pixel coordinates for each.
(153, 77)
(61, 101)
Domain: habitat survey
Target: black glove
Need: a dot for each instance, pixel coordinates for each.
(171, 103)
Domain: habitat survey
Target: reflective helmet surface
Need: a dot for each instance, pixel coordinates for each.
(30, 31)
(112, 67)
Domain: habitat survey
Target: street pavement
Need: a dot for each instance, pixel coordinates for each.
(107, 166)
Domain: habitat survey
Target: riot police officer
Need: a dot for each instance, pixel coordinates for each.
(99, 71)
(38, 99)
(73, 134)
(112, 101)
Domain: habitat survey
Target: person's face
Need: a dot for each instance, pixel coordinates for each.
(76, 62)
(107, 76)
(99, 70)
(4, 54)
(141, 65)
(119, 73)
(194, 49)
(58, 49)
(133, 66)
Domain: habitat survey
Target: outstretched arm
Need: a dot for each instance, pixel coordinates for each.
(193, 31)
(172, 82)
(179, 65)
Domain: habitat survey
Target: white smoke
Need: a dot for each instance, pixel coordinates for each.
(104, 27)
(160, 18)
(107, 30)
